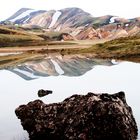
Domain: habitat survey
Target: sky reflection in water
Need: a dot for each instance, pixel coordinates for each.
(15, 91)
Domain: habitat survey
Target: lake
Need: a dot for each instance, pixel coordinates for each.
(65, 76)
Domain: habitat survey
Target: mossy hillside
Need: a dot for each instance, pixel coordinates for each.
(126, 48)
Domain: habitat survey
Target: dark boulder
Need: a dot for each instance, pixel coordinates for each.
(80, 117)
(42, 92)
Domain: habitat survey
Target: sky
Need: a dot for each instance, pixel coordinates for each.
(121, 8)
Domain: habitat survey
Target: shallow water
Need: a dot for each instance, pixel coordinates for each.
(6, 54)
(15, 90)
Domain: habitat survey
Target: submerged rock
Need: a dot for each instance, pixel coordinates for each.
(80, 117)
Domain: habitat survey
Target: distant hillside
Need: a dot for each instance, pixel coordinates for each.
(76, 22)
(69, 17)
(124, 48)
(11, 37)
(20, 37)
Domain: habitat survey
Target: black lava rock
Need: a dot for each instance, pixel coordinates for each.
(80, 117)
(42, 92)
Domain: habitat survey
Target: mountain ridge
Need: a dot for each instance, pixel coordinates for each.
(76, 22)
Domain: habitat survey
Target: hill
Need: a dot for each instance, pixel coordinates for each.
(76, 22)
(124, 48)
(12, 37)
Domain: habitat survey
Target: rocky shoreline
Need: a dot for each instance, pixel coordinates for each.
(80, 117)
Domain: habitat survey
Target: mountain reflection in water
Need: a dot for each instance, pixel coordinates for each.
(58, 65)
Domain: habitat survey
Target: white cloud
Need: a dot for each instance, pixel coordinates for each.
(123, 8)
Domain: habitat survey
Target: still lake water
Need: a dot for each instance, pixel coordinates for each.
(14, 91)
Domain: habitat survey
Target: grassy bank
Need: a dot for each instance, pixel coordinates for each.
(26, 38)
(127, 48)
(13, 38)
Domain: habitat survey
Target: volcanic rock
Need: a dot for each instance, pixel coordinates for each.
(80, 117)
(42, 93)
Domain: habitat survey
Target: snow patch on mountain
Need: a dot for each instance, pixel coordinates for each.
(55, 17)
(126, 25)
(24, 14)
(26, 20)
(112, 19)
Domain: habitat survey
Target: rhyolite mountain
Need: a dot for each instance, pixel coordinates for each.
(23, 15)
(56, 20)
(76, 22)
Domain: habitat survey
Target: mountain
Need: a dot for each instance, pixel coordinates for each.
(75, 22)
(24, 15)
(60, 19)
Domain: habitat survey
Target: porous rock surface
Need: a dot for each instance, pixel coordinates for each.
(80, 117)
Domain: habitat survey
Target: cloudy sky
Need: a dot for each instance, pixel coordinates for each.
(122, 8)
